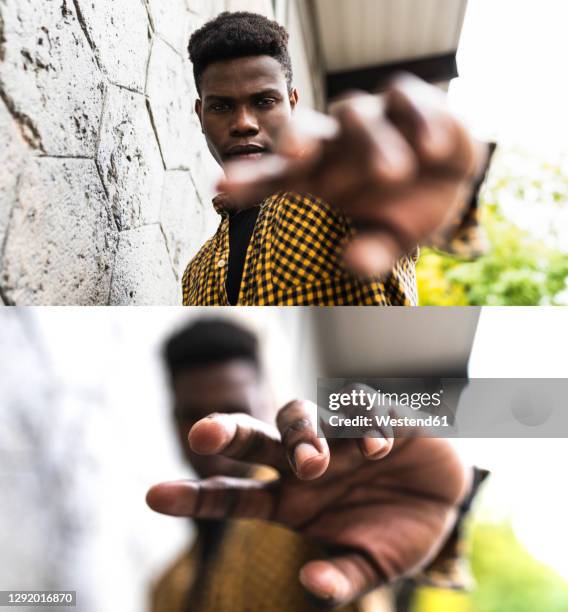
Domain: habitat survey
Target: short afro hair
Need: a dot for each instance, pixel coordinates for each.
(209, 341)
(240, 34)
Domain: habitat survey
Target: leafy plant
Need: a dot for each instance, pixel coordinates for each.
(508, 578)
(519, 267)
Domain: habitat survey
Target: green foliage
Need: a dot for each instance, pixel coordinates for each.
(508, 578)
(434, 285)
(518, 268)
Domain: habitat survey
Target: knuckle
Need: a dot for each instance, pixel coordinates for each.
(296, 423)
(246, 443)
(297, 430)
(289, 410)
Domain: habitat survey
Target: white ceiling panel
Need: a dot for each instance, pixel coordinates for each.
(396, 341)
(363, 33)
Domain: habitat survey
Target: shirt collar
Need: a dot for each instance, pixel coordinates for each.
(224, 205)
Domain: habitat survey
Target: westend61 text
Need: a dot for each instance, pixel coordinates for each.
(335, 420)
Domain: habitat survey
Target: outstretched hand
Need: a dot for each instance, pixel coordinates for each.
(399, 164)
(381, 507)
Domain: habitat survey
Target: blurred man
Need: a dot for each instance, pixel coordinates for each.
(344, 520)
(322, 210)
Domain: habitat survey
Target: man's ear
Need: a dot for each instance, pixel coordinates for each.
(293, 98)
(198, 107)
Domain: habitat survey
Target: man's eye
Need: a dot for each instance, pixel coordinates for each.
(266, 102)
(219, 108)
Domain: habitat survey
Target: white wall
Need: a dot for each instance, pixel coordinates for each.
(84, 431)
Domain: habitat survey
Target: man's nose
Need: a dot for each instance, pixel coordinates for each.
(244, 123)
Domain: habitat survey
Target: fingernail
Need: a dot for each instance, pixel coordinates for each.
(239, 172)
(328, 583)
(303, 453)
(373, 446)
(316, 125)
(438, 141)
(371, 258)
(296, 145)
(393, 164)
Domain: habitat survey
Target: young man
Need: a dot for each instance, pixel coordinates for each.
(338, 531)
(326, 210)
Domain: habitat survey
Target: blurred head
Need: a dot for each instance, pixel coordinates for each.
(243, 75)
(214, 367)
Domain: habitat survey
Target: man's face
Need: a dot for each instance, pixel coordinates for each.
(244, 102)
(233, 386)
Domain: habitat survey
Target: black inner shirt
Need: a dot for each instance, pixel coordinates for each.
(241, 227)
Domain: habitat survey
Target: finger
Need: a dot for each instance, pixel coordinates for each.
(421, 112)
(298, 147)
(238, 436)
(304, 136)
(307, 454)
(375, 447)
(372, 253)
(250, 181)
(341, 579)
(370, 143)
(374, 442)
(214, 498)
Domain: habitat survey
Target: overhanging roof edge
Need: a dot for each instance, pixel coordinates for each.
(434, 69)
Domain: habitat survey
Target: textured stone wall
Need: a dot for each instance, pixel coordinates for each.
(105, 179)
(84, 429)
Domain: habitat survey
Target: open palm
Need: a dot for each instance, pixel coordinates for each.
(381, 509)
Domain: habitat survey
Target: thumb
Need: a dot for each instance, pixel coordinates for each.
(340, 579)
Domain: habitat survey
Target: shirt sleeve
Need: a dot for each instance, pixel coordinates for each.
(466, 238)
(450, 569)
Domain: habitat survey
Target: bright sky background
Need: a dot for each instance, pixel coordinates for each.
(513, 81)
(528, 482)
(513, 87)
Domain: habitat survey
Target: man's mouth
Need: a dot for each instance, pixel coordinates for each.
(249, 151)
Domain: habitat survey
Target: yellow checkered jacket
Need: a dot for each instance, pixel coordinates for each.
(255, 570)
(295, 259)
